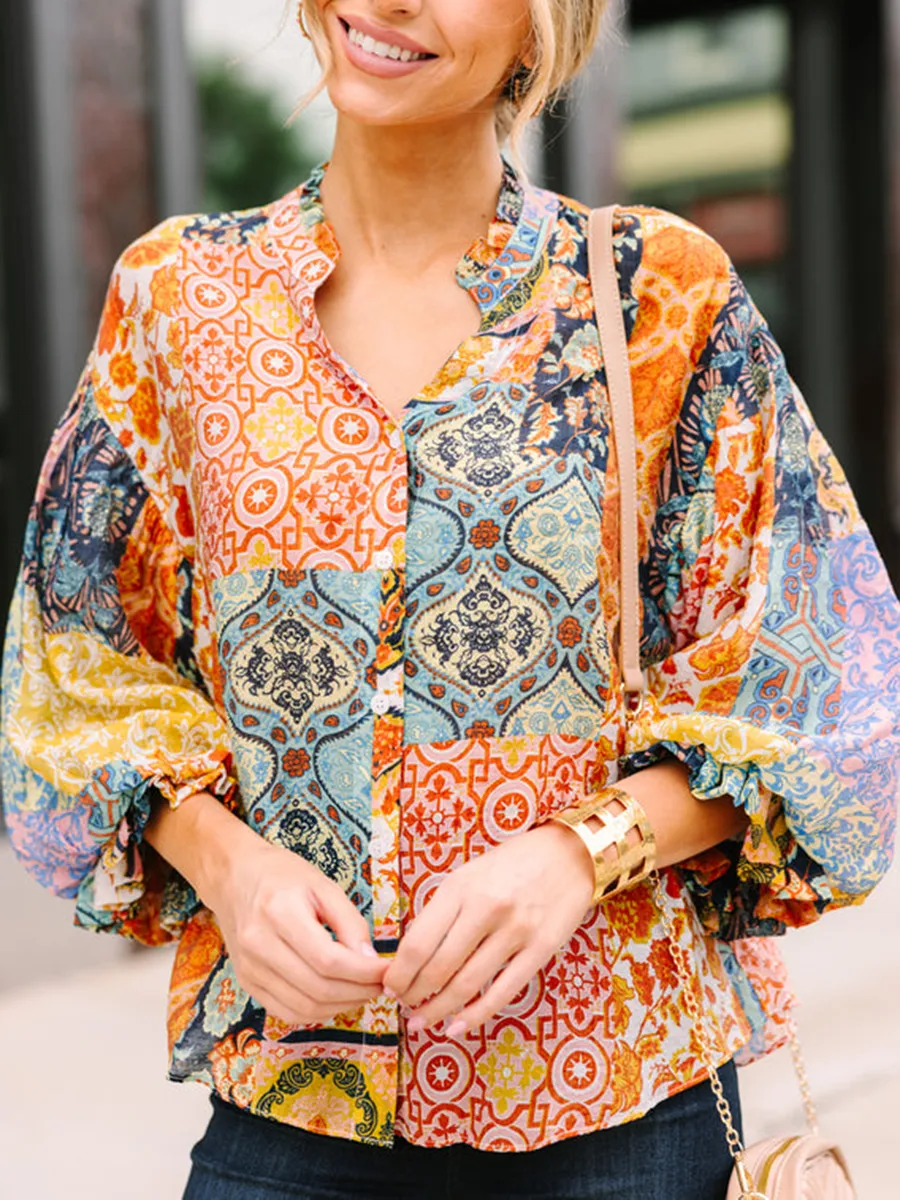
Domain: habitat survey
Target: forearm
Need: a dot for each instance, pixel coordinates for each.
(683, 825)
(297, 944)
(497, 919)
(200, 839)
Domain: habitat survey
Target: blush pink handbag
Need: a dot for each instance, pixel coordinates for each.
(807, 1167)
(790, 1168)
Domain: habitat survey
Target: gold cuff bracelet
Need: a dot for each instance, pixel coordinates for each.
(605, 822)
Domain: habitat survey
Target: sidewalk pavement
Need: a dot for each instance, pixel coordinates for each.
(70, 1128)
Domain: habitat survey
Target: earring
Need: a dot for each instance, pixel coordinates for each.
(301, 20)
(517, 84)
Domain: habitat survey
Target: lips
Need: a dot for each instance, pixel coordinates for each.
(379, 52)
(381, 33)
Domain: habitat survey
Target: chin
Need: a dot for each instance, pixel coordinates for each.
(378, 116)
(364, 105)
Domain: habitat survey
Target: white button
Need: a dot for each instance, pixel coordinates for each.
(380, 704)
(384, 560)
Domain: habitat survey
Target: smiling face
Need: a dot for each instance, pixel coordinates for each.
(421, 61)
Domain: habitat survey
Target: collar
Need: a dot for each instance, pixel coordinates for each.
(492, 269)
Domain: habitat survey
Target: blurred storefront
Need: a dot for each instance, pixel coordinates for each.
(769, 125)
(710, 135)
(96, 145)
(776, 127)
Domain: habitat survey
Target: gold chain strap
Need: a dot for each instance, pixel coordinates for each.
(687, 976)
(809, 1105)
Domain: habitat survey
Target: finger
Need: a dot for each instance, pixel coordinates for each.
(278, 962)
(336, 909)
(507, 985)
(460, 943)
(476, 975)
(306, 1009)
(301, 929)
(420, 942)
(283, 1009)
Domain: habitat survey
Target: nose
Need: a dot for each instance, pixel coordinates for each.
(397, 8)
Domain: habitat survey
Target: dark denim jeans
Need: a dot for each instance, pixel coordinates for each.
(676, 1152)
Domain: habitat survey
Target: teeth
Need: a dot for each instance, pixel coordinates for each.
(381, 49)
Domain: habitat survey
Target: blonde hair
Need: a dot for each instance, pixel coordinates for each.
(562, 40)
(563, 36)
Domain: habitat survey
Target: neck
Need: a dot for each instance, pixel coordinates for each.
(412, 195)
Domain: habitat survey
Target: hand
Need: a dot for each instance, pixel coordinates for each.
(272, 907)
(492, 924)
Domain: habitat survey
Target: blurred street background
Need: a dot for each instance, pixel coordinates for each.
(775, 126)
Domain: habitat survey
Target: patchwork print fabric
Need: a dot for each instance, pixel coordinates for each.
(389, 646)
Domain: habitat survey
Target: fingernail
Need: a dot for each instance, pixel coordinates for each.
(457, 1029)
(390, 993)
(368, 950)
(416, 1025)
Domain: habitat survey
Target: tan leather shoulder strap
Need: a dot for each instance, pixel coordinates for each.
(614, 343)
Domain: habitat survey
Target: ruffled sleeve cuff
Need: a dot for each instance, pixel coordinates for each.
(756, 885)
(132, 891)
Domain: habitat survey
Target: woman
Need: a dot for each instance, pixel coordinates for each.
(316, 631)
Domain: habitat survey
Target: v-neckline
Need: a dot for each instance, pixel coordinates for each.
(473, 273)
(344, 369)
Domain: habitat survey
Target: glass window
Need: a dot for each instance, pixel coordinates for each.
(709, 130)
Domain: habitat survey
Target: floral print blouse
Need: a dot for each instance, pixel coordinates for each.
(390, 645)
